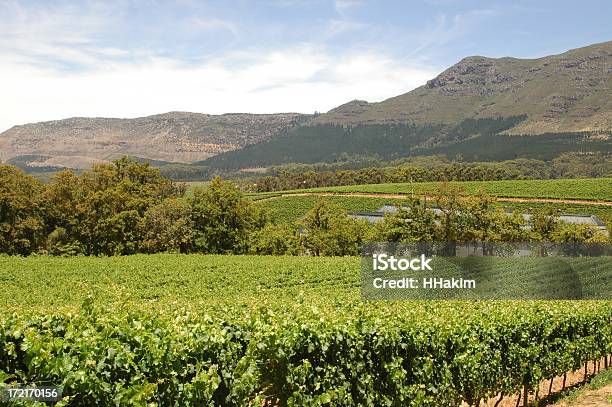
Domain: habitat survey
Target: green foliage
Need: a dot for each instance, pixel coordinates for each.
(481, 220)
(470, 140)
(21, 214)
(567, 233)
(60, 244)
(415, 222)
(185, 172)
(222, 218)
(287, 179)
(499, 147)
(166, 227)
(452, 219)
(543, 225)
(291, 208)
(128, 207)
(275, 239)
(235, 330)
(319, 143)
(100, 211)
(328, 231)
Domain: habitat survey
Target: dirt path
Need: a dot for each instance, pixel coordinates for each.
(575, 380)
(591, 398)
(429, 198)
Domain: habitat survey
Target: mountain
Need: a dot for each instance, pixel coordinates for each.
(173, 137)
(478, 109)
(569, 92)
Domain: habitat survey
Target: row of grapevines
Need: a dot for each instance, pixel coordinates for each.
(395, 354)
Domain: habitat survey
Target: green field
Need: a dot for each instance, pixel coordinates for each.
(292, 208)
(292, 331)
(251, 330)
(596, 189)
(198, 283)
(163, 281)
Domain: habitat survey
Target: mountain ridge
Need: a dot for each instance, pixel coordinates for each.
(565, 92)
(173, 136)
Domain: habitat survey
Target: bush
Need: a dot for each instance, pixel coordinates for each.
(282, 239)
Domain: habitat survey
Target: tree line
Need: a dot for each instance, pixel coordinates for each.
(127, 207)
(437, 169)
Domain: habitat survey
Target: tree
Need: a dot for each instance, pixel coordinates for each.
(543, 226)
(511, 227)
(482, 220)
(579, 239)
(452, 218)
(111, 202)
(280, 239)
(63, 213)
(166, 227)
(417, 224)
(223, 219)
(328, 231)
(21, 221)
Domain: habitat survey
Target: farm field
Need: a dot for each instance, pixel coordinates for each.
(197, 283)
(245, 330)
(170, 329)
(596, 189)
(164, 281)
(290, 208)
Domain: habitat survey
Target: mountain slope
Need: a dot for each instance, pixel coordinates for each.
(569, 92)
(174, 136)
(478, 109)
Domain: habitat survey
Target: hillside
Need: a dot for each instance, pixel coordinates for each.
(471, 140)
(569, 92)
(174, 137)
(479, 109)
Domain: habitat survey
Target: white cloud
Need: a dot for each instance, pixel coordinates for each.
(52, 66)
(215, 24)
(300, 79)
(336, 27)
(343, 5)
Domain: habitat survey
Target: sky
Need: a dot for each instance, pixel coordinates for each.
(130, 58)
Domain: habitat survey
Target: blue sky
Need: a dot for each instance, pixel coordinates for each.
(131, 58)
